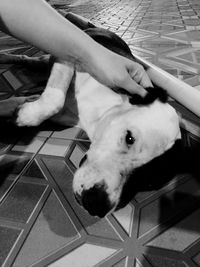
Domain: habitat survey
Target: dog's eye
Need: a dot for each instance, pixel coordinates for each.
(129, 139)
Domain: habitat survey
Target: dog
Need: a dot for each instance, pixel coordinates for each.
(126, 132)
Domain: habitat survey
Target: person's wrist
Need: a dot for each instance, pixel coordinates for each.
(94, 59)
(88, 56)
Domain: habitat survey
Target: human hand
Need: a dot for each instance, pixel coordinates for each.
(116, 71)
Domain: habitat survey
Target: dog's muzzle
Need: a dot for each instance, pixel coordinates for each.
(95, 200)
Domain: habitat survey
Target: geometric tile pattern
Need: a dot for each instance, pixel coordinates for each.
(40, 221)
(53, 223)
(82, 254)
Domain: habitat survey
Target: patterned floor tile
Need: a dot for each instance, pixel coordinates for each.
(125, 217)
(34, 171)
(122, 263)
(187, 36)
(76, 156)
(5, 186)
(151, 215)
(197, 259)
(44, 133)
(55, 147)
(97, 254)
(159, 45)
(52, 230)
(161, 28)
(12, 164)
(21, 201)
(31, 146)
(171, 238)
(10, 78)
(69, 133)
(8, 237)
(158, 261)
(41, 223)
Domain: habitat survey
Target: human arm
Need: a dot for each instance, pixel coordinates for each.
(37, 23)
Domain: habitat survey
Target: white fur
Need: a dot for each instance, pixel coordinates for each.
(52, 99)
(106, 117)
(93, 100)
(33, 113)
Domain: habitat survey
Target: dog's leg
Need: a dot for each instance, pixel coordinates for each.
(52, 99)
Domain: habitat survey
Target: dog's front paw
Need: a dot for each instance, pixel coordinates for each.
(30, 114)
(34, 113)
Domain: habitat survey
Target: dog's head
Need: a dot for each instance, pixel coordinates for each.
(126, 138)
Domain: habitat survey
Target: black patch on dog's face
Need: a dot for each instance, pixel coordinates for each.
(161, 170)
(153, 93)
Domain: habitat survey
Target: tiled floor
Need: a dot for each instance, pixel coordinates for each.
(40, 222)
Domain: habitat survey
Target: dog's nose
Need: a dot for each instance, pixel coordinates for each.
(96, 201)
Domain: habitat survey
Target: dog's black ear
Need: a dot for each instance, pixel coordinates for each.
(158, 93)
(153, 93)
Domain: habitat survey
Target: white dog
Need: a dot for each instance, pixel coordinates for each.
(124, 134)
(123, 137)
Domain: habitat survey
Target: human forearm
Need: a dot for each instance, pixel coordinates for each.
(35, 22)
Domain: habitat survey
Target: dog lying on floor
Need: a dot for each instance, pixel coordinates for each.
(126, 132)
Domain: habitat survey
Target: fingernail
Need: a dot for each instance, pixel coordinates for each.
(147, 84)
(142, 91)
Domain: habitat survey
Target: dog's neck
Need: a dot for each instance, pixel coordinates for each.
(94, 101)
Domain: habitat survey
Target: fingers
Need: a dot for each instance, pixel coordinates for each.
(145, 80)
(133, 78)
(116, 71)
(139, 75)
(133, 87)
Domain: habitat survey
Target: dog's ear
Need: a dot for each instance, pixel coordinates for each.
(157, 93)
(153, 93)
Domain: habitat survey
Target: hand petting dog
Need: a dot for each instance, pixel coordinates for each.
(116, 71)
